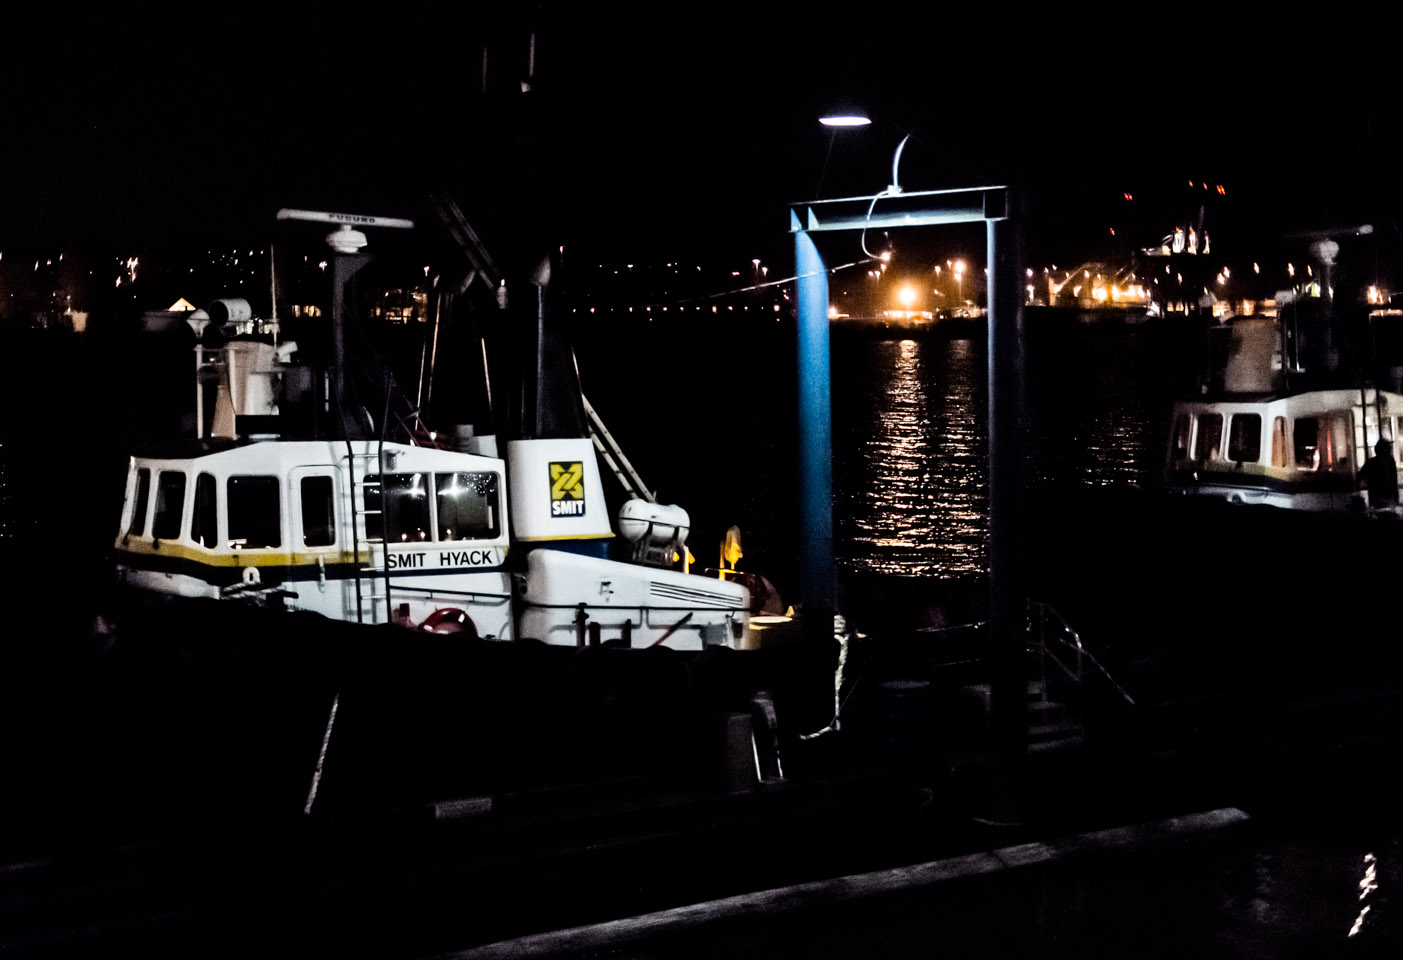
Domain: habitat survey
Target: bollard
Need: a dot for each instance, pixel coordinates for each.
(734, 762)
(904, 722)
(765, 726)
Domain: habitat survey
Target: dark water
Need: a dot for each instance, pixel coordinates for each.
(910, 437)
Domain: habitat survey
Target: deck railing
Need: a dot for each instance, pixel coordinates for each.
(1055, 644)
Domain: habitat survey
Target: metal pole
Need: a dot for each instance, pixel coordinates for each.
(816, 581)
(199, 391)
(1008, 616)
(343, 268)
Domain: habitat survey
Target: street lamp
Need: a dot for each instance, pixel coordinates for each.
(845, 115)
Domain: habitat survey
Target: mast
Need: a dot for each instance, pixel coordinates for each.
(346, 242)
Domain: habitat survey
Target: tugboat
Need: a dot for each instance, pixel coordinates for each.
(1292, 407)
(292, 496)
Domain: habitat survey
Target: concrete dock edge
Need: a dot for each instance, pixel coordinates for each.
(844, 889)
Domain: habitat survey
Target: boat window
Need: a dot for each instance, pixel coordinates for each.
(170, 505)
(397, 507)
(143, 491)
(1180, 443)
(318, 512)
(467, 506)
(1278, 442)
(254, 517)
(203, 519)
(1306, 432)
(1337, 444)
(1210, 436)
(1245, 438)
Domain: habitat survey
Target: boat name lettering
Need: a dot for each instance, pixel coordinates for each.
(462, 558)
(446, 558)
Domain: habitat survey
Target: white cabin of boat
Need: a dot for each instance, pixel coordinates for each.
(1302, 451)
(1253, 439)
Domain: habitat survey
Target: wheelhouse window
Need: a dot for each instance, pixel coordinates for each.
(1278, 442)
(318, 512)
(1179, 443)
(1210, 436)
(397, 507)
(1306, 436)
(204, 517)
(255, 519)
(1336, 444)
(467, 506)
(143, 493)
(170, 505)
(1245, 438)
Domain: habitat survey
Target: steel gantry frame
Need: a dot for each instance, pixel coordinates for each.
(999, 208)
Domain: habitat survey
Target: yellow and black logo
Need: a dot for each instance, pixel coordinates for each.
(567, 488)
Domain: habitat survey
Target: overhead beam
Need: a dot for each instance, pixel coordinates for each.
(924, 208)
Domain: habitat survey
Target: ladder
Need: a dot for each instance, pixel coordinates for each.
(372, 578)
(613, 455)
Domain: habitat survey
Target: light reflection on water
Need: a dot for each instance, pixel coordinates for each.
(910, 438)
(910, 476)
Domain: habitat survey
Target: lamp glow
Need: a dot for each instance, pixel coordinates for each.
(844, 120)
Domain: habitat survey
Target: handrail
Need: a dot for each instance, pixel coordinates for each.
(1065, 631)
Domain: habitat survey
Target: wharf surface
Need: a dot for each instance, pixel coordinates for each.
(212, 873)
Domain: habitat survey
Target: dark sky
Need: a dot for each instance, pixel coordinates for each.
(656, 124)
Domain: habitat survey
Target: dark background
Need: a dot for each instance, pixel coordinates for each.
(652, 126)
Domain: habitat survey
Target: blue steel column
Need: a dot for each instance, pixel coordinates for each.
(1007, 556)
(816, 580)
